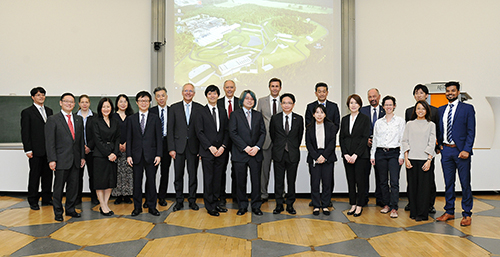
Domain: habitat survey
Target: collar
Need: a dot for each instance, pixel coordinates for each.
(277, 98)
(88, 115)
(190, 103)
(65, 114)
(146, 113)
(37, 106)
(455, 103)
(226, 99)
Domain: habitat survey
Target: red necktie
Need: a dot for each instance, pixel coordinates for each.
(70, 125)
(229, 109)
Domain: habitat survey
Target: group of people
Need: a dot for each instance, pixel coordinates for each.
(120, 146)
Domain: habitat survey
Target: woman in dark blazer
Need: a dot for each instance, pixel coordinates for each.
(106, 141)
(354, 134)
(321, 143)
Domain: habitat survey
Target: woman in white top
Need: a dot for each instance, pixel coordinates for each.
(418, 144)
(386, 154)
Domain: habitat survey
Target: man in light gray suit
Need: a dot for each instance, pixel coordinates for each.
(65, 153)
(268, 106)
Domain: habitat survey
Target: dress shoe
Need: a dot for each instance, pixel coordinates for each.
(78, 201)
(222, 203)
(432, 210)
(136, 212)
(178, 206)
(105, 213)
(330, 204)
(35, 207)
(316, 212)
(59, 218)
(279, 208)
(445, 217)
(418, 219)
(357, 214)
(162, 202)
(257, 211)
(74, 214)
(385, 210)
(127, 200)
(47, 203)
(213, 213)
(194, 206)
(466, 221)
(265, 200)
(311, 204)
(394, 213)
(119, 200)
(351, 212)
(241, 212)
(220, 208)
(291, 210)
(94, 201)
(154, 211)
(145, 205)
(326, 211)
(407, 207)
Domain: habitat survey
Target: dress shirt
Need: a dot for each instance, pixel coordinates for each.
(66, 118)
(320, 135)
(42, 112)
(165, 118)
(445, 121)
(79, 113)
(377, 112)
(190, 109)
(226, 102)
(352, 120)
(271, 104)
(217, 121)
(388, 134)
(289, 121)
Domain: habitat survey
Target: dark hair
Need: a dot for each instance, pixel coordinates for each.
(320, 84)
(65, 94)
(273, 80)
(142, 94)
(244, 94)
(387, 98)
(80, 99)
(287, 95)
(101, 103)
(452, 83)
(212, 88)
(428, 115)
(323, 108)
(129, 110)
(420, 86)
(356, 98)
(35, 90)
(158, 89)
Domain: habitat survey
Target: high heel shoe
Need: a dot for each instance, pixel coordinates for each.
(358, 214)
(351, 212)
(105, 213)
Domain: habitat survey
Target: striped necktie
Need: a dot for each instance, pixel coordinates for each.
(449, 128)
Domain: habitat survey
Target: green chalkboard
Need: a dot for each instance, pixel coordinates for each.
(11, 107)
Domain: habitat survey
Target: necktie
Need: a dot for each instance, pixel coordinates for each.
(324, 104)
(449, 125)
(163, 122)
(187, 114)
(143, 122)
(374, 117)
(70, 125)
(287, 129)
(274, 106)
(249, 119)
(214, 115)
(44, 116)
(229, 109)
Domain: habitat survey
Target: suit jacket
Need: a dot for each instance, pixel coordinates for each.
(355, 142)
(366, 110)
(180, 135)
(280, 138)
(463, 128)
(155, 110)
(207, 133)
(104, 140)
(59, 143)
(332, 113)
(149, 144)
(264, 106)
(33, 130)
(242, 136)
(330, 143)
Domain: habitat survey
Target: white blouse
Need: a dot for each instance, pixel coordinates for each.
(388, 134)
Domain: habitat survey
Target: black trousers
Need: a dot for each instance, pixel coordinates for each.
(39, 172)
(356, 179)
(432, 187)
(164, 172)
(378, 192)
(420, 184)
(389, 169)
(280, 168)
(69, 178)
(223, 194)
(321, 173)
(241, 177)
(212, 177)
(180, 161)
(89, 162)
(151, 195)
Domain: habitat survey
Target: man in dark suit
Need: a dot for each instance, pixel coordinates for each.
(457, 130)
(420, 93)
(33, 121)
(229, 103)
(162, 111)
(183, 145)
(144, 151)
(375, 112)
(66, 154)
(248, 132)
(332, 113)
(211, 129)
(268, 106)
(286, 129)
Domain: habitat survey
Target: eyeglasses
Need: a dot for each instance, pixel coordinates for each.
(143, 101)
(68, 101)
(188, 91)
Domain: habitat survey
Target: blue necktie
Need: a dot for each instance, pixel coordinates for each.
(162, 122)
(374, 117)
(449, 128)
(187, 114)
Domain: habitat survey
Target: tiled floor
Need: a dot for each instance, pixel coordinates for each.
(26, 232)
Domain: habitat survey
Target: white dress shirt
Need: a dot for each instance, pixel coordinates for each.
(217, 121)
(289, 121)
(41, 110)
(445, 120)
(352, 120)
(271, 101)
(226, 102)
(66, 118)
(165, 118)
(320, 135)
(388, 134)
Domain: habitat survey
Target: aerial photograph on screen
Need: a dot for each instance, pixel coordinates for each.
(250, 41)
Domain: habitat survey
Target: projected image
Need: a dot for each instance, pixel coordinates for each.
(250, 40)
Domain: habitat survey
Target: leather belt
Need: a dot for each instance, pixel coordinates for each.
(385, 149)
(448, 145)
